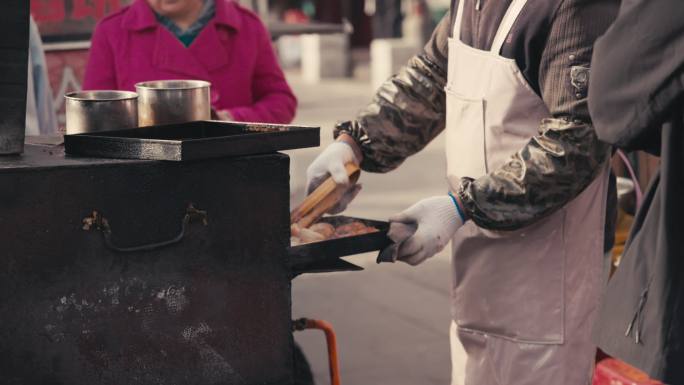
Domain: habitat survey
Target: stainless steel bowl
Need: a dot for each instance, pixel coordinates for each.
(173, 101)
(95, 111)
(626, 192)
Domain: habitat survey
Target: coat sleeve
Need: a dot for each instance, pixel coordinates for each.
(274, 101)
(100, 71)
(565, 157)
(638, 73)
(408, 110)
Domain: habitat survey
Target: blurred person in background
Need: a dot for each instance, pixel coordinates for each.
(410, 19)
(387, 18)
(418, 24)
(41, 118)
(637, 103)
(218, 41)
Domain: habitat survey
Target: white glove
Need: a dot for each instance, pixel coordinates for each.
(332, 162)
(425, 228)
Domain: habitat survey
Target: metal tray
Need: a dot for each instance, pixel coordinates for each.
(324, 256)
(192, 141)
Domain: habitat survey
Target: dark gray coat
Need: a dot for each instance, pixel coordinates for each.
(637, 102)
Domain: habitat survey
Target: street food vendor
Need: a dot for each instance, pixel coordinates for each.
(214, 40)
(528, 181)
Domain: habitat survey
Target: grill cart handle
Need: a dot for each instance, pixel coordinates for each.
(98, 222)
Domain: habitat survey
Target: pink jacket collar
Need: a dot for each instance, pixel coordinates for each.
(140, 16)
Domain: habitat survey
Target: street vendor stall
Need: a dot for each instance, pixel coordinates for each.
(155, 255)
(129, 271)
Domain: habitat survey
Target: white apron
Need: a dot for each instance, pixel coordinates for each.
(524, 301)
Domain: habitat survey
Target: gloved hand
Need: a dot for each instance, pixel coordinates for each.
(331, 162)
(425, 228)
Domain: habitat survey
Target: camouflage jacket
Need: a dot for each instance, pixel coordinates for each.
(552, 43)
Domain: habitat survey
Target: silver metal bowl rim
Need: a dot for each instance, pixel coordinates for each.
(625, 185)
(158, 85)
(79, 96)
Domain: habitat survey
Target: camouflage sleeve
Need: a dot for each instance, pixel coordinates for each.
(408, 110)
(566, 155)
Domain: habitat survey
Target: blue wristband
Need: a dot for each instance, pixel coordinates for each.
(458, 207)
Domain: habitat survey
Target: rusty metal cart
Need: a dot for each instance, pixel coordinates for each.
(123, 271)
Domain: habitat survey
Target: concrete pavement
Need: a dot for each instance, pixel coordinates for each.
(391, 320)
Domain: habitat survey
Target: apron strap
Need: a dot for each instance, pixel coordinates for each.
(506, 25)
(459, 19)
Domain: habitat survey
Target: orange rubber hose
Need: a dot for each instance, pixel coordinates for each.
(331, 340)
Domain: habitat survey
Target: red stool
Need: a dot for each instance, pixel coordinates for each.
(615, 372)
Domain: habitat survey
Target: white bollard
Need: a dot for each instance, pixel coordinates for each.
(388, 56)
(325, 57)
(289, 50)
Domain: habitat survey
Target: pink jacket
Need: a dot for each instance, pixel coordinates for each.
(233, 52)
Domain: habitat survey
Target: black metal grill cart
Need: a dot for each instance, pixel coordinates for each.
(142, 272)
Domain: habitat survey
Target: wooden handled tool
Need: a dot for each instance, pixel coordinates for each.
(323, 199)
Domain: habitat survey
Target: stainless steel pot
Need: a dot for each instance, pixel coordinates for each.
(173, 101)
(94, 111)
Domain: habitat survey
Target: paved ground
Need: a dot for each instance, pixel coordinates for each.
(391, 320)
